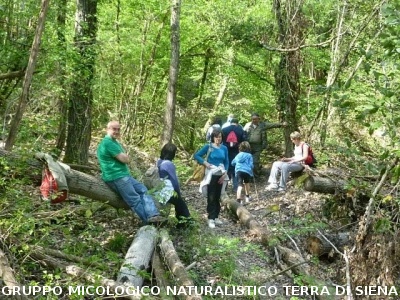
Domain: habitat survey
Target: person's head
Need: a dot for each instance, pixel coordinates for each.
(216, 136)
(295, 136)
(168, 151)
(235, 121)
(230, 117)
(113, 129)
(255, 118)
(245, 147)
(217, 120)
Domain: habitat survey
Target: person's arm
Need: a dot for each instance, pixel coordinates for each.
(234, 161)
(198, 156)
(168, 171)
(122, 157)
(269, 125)
(117, 151)
(226, 160)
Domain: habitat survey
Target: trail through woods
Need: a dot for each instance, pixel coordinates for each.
(289, 215)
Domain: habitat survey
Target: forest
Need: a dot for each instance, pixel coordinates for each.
(164, 69)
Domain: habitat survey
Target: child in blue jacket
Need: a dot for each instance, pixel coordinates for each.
(243, 163)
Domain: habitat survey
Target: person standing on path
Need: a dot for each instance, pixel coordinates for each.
(257, 137)
(216, 173)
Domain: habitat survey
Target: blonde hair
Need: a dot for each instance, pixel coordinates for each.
(295, 135)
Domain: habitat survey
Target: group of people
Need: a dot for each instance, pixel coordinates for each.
(226, 156)
(114, 162)
(233, 153)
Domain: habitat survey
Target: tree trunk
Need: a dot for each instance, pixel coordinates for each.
(62, 102)
(287, 77)
(323, 185)
(7, 275)
(248, 220)
(317, 245)
(138, 257)
(169, 118)
(23, 102)
(301, 267)
(81, 95)
(161, 275)
(49, 261)
(175, 265)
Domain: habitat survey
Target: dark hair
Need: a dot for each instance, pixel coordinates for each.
(216, 132)
(217, 120)
(168, 151)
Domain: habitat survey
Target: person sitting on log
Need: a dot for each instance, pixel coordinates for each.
(167, 171)
(287, 165)
(115, 173)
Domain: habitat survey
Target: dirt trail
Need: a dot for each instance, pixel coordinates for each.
(287, 214)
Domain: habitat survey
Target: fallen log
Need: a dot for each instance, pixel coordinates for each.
(138, 258)
(160, 275)
(124, 292)
(317, 245)
(78, 183)
(175, 265)
(7, 276)
(295, 261)
(248, 220)
(323, 185)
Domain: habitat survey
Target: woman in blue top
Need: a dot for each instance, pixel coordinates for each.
(216, 165)
(243, 163)
(167, 170)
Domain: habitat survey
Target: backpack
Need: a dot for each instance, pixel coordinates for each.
(151, 178)
(232, 139)
(310, 160)
(49, 188)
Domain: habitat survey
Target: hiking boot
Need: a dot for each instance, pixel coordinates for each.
(272, 187)
(218, 222)
(239, 201)
(248, 199)
(211, 223)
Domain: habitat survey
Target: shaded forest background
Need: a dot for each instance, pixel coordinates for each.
(165, 69)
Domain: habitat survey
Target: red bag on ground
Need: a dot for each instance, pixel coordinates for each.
(49, 188)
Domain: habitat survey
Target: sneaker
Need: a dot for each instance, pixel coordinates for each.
(248, 199)
(271, 187)
(282, 190)
(211, 223)
(156, 220)
(218, 222)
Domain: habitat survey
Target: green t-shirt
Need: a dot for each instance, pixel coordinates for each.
(111, 168)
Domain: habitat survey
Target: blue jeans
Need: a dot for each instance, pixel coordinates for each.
(135, 195)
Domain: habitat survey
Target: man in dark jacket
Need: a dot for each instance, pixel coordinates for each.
(232, 141)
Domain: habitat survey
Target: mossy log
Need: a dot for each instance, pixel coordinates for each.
(323, 185)
(138, 258)
(317, 245)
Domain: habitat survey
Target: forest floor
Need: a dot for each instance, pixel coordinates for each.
(236, 258)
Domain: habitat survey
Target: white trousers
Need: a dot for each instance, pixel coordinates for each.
(284, 168)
